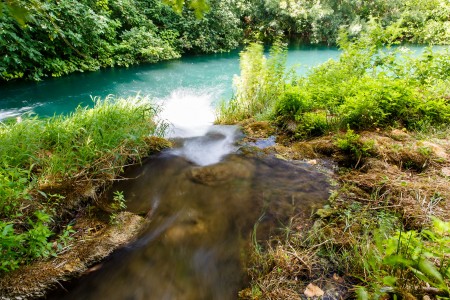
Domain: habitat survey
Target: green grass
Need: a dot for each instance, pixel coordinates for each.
(47, 164)
(259, 85)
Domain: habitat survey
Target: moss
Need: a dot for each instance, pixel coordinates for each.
(380, 191)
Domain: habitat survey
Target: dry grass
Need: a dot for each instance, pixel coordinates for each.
(405, 177)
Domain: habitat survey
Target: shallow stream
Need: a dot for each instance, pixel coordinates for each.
(203, 216)
(206, 201)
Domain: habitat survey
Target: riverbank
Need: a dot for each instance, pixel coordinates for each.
(375, 229)
(54, 218)
(382, 116)
(399, 185)
(93, 238)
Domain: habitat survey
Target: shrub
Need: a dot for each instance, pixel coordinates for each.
(369, 87)
(258, 87)
(292, 102)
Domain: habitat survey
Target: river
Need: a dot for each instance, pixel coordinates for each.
(208, 75)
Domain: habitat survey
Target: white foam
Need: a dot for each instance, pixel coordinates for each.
(189, 112)
(10, 113)
(210, 148)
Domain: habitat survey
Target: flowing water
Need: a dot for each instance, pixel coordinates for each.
(202, 220)
(205, 199)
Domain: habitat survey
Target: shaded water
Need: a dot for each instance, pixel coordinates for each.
(202, 218)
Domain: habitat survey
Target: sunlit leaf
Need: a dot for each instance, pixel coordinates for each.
(200, 7)
(430, 270)
(389, 280)
(362, 293)
(18, 12)
(441, 227)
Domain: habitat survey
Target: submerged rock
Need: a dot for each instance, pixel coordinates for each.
(222, 172)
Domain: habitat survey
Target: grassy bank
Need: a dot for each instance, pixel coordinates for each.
(381, 234)
(381, 114)
(52, 167)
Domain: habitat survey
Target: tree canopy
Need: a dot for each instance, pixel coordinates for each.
(48, 38)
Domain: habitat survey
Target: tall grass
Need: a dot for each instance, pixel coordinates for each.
(259, 85)
(63, 154)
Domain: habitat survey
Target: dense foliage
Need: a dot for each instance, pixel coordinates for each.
(57, 38)
(368, 87)
(320, 21)
(41, 157)
(47, 38)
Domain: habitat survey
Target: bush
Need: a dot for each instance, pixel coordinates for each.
(292, 102)
(379, 102)
(369, 87)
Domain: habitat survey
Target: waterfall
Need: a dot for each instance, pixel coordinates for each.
(190, 114)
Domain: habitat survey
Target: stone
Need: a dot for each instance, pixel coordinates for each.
(313, 290)
(222, 172)
(446, 171)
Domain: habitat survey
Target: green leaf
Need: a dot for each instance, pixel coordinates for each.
(18, 12)
(440, 227)
(430, 270)
(362, 294)
(7, 230)
(389, 280)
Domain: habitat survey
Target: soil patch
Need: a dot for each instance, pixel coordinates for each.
(94, 239)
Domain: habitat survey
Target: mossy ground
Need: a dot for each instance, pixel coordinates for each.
(402, 182)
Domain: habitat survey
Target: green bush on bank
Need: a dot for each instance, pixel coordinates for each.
(39, 156)
(373, 98)
(370, 86)
(261, 82)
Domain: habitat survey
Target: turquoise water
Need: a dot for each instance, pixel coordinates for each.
(195, 74)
